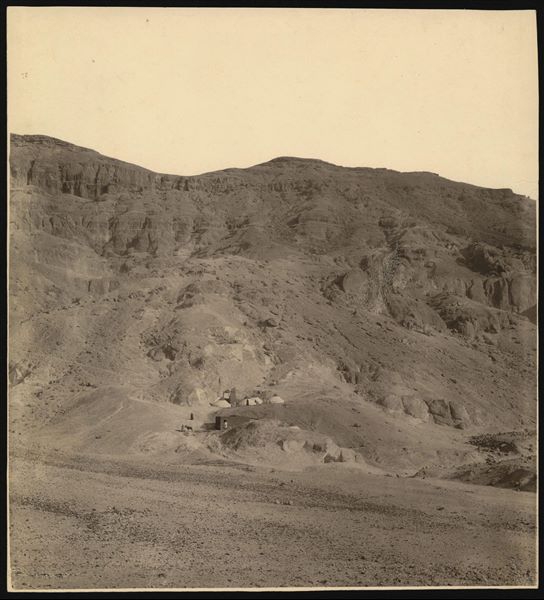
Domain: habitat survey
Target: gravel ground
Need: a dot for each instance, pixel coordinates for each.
(90, 523)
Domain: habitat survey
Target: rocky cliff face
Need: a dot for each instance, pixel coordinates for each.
(58, 167)
(388, 286)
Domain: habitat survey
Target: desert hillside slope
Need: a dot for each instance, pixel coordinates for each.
(393, 312)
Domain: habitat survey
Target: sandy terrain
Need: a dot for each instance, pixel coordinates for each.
(96, 523)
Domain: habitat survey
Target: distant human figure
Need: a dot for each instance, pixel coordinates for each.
(192, 417)
(182, 427)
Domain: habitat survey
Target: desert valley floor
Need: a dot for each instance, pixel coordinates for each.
(86, 523)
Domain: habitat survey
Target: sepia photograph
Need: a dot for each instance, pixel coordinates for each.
(272, 299)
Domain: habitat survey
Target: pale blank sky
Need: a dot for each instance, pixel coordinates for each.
(186, 91)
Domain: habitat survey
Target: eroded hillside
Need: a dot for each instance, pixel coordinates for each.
(394, 312)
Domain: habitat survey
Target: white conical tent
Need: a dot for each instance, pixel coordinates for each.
(253, 401)
(222, 403)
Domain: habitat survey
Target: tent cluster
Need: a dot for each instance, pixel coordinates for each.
(229, 398)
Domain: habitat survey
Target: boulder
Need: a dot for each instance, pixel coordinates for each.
(328, 448)
(440, 411)
(493, 324)
(467, 329)
(277, 400)
(291, 445)
(391, 402)
(457, 312)
(459, 414)
(414, 314)
(354, 282)
(347, 455)
(156, 354)
(489, 339)
(415, 407)
(16, 375)
(350, 371)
